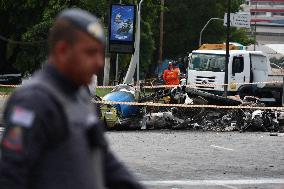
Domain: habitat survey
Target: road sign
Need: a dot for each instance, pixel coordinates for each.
(240, 20)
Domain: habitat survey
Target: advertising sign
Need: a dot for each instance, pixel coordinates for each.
(122, 28)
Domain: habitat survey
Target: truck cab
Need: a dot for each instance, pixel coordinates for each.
(208, 67)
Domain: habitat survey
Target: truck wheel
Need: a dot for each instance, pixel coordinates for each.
(246, 91)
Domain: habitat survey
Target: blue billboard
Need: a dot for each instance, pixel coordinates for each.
(122, 28)
(122, 23)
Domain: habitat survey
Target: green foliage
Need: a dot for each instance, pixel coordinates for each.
(278, 61)
(150, 33)
(30, 20)
(102, 92)
(185, 19)
(239, 35)
(36, 17)
(6, 90)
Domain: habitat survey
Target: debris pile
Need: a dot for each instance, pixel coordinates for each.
(204, 119)
(216, 120)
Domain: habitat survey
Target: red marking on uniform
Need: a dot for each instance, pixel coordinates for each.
(9, 145)
(13, 140)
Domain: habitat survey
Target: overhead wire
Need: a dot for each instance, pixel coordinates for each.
(21, 42)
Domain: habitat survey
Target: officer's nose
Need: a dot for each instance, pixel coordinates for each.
(99, 64)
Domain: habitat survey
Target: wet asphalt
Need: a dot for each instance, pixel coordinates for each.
(186, 159)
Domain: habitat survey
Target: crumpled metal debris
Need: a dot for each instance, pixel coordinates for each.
(203, 119)
(216, 119)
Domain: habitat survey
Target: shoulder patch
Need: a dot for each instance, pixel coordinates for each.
(13, 140)
(22, 116)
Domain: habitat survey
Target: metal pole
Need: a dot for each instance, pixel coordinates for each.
(116, 62)
(116, 68)
(201, 32)
(161, 31)
(138, 40)
(227, 49)
(283, 93)
(134, 63)
(254, 46)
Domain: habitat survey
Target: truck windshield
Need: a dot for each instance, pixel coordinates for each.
(208, 62)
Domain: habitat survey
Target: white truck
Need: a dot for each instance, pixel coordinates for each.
(208, 67)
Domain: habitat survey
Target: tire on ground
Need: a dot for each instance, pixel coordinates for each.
(213, 99)
(245, 91)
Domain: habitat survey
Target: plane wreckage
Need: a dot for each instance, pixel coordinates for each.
(125, 116)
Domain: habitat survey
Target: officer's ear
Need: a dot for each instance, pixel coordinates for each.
(62, 50)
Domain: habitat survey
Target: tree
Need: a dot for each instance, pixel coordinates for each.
(36, 18)
(16, 17)
(278, 61)
(185, 19)
(30, 20)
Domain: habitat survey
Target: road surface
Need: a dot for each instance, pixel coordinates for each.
(184, 159)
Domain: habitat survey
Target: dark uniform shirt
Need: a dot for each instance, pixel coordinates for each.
(36, 124)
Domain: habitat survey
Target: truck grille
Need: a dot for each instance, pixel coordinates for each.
(205, 80)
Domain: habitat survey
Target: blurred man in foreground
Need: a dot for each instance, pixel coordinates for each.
(53, 139)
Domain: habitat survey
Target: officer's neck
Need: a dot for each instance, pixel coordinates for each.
(64, 70)
(62, 77)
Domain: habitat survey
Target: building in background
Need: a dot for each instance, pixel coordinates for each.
(268, 17)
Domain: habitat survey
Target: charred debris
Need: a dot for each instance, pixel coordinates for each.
(126, 117)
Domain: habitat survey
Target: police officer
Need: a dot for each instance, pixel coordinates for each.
(53, 139)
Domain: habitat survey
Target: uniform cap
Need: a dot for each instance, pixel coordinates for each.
(85, 22)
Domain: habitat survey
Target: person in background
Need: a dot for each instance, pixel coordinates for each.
(53, 138)
(171, 75)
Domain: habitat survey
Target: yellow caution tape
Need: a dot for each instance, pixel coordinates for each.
(211, 84)
(105, 87)
(186, 105)
(172, 86)
(4, 96)
(195, 85)
(11, 86)
(176, 105)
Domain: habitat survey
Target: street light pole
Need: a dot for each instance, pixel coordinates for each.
(201, 32)
(116, 62)
(254, 37)
(161, 31)
(227, 49)
(134, 63)
(138, 39)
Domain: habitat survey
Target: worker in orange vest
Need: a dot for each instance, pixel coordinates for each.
(171, 75)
